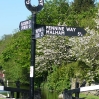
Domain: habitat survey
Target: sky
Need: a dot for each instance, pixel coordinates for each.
(12, 12)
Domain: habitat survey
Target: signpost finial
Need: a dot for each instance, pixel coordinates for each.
(34, 8)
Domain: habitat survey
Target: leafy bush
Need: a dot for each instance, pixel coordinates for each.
(59, 79)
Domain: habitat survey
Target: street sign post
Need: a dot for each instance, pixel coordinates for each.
(33, 10)
(36, 8)
(39, 31)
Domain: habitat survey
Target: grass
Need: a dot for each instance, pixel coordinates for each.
(2, 98)
(89, 96)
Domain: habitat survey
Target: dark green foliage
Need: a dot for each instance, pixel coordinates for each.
(54, 12)
(83, 5)
(16, 57)
(60, 78)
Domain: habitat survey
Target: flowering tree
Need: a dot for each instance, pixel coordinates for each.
(51, 50)
(86, 49)
(56, 50)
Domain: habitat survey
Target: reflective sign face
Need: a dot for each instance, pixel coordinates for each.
(34, 9)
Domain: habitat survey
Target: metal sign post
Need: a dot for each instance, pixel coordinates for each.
(34, 10)
(39, 31)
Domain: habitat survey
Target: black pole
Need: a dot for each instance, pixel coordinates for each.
(77, 93)
(17, 95)
(12, 94)
(33, 47)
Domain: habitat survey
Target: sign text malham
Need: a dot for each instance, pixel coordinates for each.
(55, 30)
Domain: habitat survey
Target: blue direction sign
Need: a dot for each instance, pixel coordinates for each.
(40, 32)
(24, 25)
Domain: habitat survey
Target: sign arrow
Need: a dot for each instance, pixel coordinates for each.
(74, 31)
(65, 31)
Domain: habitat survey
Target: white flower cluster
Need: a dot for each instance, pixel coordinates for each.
(86, 48)
(55, 50)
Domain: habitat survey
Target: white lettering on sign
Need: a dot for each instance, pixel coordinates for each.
(70, 29)
(25, 25)
(27, 1)
(55, 30)
(39, 32)
(80, 34)
(29, 26)
(26, 22)
(42, 34)
(41, 2)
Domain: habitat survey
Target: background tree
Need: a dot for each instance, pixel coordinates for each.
(83, 5)
(54, 11)
(55, 55)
